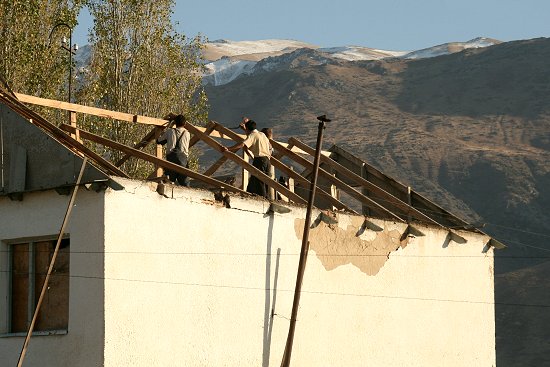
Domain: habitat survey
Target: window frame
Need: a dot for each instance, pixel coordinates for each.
(32, 296)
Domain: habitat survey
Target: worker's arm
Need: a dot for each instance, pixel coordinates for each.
(233, 148)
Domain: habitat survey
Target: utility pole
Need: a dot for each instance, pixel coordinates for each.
(305, 244)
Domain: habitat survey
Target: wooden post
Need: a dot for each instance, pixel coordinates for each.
(158, 152)
(271, 189)
(364, 174)
(72, 118)
(245, 174)
(291, 181)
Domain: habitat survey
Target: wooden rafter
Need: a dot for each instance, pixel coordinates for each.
(150, 158)
(60, 136)
(406, 208)
(281, 166)
(304, 181)
(250, 168)
(213, 168)
(335, 181)
(152, 135)
(208, 130)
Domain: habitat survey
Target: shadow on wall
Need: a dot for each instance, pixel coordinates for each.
(270, 300)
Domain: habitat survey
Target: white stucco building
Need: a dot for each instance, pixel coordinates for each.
(184, 281)
(180, 279)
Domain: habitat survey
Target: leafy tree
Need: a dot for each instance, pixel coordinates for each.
(31, 59)
(140, 65)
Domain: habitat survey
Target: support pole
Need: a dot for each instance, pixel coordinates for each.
(52, 262)
(305, 244)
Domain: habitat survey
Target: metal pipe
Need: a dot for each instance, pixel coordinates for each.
(305, 245)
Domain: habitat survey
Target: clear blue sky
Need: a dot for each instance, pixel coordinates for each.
(382, 24)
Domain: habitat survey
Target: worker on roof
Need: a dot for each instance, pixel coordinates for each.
(177, 148)
(258, 144)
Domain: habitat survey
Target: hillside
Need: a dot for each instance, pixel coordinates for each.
(469, 130)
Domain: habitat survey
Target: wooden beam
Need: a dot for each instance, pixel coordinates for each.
(147, 157)
(208, 130)
(60, 136)
(72, 118)
(299, 178)
(90, 110)
(253, 170)
(407, 209)
(121, 116)
(153, 134)
(334, 180)
(215, 166)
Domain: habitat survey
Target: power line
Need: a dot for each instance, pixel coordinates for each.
(531, 246)
(263, 254)
(263, 289)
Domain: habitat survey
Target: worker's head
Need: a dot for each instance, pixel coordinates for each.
(268, 132)
(180, 120)
(250, 125)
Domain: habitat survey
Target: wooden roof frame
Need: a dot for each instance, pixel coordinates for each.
(384, 203)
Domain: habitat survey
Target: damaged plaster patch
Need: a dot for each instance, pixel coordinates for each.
(335, 245)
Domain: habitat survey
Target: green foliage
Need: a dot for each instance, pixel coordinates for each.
(31, 59)
(141, 65)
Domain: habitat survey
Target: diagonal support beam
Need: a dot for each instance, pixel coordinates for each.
(339, 183)
(147, 157)
(215, 166)
(250, 168)
(299, 178)
(405, 207)
(152, 135)
(208, 130)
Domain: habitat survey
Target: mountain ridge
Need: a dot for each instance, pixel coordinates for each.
(468, 130)
(226, 60)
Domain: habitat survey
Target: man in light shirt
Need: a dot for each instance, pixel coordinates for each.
(259, 145)
(177, 148)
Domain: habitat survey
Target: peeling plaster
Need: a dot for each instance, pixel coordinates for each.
(337, 245)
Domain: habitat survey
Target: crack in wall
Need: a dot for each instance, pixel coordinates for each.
(335, 246)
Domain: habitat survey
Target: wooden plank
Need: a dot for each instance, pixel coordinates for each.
(208, 130)
(150, 158)
(334, 180)
(253, 170)
(72, 117)
(151, 135)
(90, 110)
(408, 209)
(281, 151)
(121, 116)
(215, 166)
(58, 134)
(223, 131)
(299, 178)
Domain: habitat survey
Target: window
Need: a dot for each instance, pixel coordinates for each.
(29, 264)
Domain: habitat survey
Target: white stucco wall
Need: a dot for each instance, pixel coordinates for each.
(191, 283)
(41, 214)
(184, 281)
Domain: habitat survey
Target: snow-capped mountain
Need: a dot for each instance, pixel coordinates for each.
(226, 60)
(452, 47)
